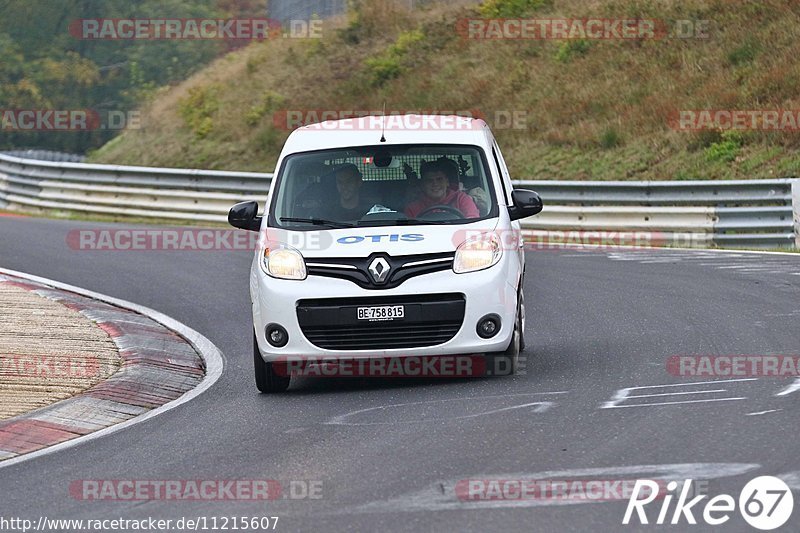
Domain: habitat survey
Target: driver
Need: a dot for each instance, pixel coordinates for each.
(349, 205)
(437, 192)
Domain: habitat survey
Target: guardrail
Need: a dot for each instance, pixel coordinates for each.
(751, 213)
(180, 194)
(46, 155)
(743, 213)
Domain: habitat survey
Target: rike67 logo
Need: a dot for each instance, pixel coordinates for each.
(766, 503)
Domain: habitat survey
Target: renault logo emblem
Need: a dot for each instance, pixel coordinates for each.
(379, 269)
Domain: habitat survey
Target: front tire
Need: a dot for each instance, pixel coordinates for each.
(267, 380)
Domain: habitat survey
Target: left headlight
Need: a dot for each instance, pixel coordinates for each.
(283, 263)
(477, 253)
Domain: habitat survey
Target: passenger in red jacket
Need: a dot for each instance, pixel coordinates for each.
(437, 191)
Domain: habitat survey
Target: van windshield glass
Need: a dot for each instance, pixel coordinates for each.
(383, 185)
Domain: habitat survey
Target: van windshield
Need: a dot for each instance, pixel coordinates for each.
(383, 185)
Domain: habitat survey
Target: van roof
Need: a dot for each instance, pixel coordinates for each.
(397, 129)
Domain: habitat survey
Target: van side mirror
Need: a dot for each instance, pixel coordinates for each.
(244, 215)
(526, 204)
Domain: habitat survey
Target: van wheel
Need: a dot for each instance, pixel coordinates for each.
(521, 312)
(505, 363)
(267, 380)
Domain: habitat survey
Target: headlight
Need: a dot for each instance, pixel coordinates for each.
(477, 253)
(283, 263)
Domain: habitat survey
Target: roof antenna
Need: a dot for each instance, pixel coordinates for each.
(383, 123)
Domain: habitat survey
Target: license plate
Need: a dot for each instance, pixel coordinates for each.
(386, 312)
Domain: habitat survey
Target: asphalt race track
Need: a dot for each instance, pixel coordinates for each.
(598, 322)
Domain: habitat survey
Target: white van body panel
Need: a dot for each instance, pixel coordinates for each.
(493, 290)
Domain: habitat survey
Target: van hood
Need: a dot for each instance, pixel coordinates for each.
(392, 240)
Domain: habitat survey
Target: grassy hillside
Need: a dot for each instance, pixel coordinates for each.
(595, 109)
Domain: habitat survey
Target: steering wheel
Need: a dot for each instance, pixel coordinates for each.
(447, 208)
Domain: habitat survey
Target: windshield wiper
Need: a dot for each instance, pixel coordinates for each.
(319, 222)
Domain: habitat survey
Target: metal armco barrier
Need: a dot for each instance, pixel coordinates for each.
(46, 155)
(751, 213)
(180, 194)
(742, 213)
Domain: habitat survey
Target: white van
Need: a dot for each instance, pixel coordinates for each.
(387, 237)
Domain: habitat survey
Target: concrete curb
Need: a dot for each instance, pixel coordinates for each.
(164, 364)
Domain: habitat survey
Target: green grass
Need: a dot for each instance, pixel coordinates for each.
(592, 110)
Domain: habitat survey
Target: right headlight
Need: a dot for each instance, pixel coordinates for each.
(283, 262)
(478, 253)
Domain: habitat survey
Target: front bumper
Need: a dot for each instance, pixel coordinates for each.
(490, 291)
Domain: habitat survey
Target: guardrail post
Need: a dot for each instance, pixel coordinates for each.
(796, 210)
